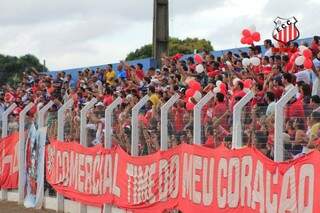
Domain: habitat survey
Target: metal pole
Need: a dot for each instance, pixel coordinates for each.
(279, 120)
(22, 118)
(164, 121)
(83, 134)
(108, 135)
(109, 121)
(83, 121)
(4, 192)
(236, 121)
(197, 117)
(135, 125)
(60, 137)
(41, 114)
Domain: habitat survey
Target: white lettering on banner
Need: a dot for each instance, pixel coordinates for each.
(258, 188)
(115, 188)
(87, 173)
(222, 171)
(246, 178)
(74, 170)
(195, 174)
(174, 176)
(169, 178)
(96, 175)
(233, 192)
(65, 170)
(288, 201)
(306, 175)
(197, 165)
(81, 173)
(187, 176)
(141, 177)
(207, 182)
(107, 180)
(271, 205)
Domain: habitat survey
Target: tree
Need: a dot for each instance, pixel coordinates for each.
(186, 46)
(12, 67)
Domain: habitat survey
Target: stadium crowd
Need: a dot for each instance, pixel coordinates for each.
(229, 77)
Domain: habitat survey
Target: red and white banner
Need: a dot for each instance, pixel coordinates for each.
(9, 165)
(189, 177)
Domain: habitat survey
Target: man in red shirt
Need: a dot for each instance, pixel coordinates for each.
(139, 71)
(237, 92)
(295, 109)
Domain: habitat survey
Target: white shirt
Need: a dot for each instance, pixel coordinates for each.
(304, 76)
(268, 52)
(271, 108)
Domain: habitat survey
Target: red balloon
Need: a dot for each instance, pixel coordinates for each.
(307, 53)
(189, 106)
(195, 86)
(246, 33)
(256, 36)
(308, 63)
(243, 40)
(249, 40)
(293, 57)
(247, 83)
(190, 92)
(198, 59)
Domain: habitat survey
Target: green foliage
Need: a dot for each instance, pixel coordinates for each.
(186, 46)
(11, 67)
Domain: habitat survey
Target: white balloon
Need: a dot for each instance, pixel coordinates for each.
(255, 61)
(197, 96)
(199, 68)
(234, 81)
(216, 90)
(246, 62)
(218, 83)
(299, 60)
(302, 48)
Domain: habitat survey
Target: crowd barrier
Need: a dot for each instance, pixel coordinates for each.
(178, 163)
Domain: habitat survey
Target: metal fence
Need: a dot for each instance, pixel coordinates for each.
(141, 129)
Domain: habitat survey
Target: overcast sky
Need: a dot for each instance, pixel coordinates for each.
(77, 33)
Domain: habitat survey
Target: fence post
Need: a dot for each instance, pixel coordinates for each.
(83, 121)
(41, 114)
(22, 118)
(60, 137)
(83, 134)
(164, 121)
(108, 135)
(316, 87)
(236, 120)
(279, 120)
(197, 117)
(4, 192)
(135, 125)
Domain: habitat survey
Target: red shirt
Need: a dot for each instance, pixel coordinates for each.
(295, 110)
(210, 141)
(178, 113)
(107, 100)
(219, 109)
(237, 93)
(140, 74)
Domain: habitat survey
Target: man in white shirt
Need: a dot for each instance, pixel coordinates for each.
(268, 46)
(270, 97)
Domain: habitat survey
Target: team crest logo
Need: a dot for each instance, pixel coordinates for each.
(285, 30)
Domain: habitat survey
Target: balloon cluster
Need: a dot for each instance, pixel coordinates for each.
(302, 57)
(249, 36)
(255, 61)
(192, 94)
(199, 60)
